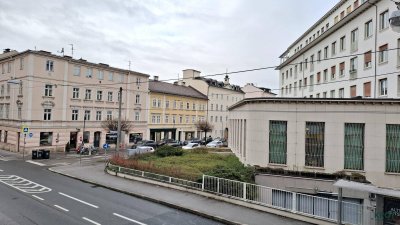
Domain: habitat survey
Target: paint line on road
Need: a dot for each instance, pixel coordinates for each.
(36, 163)
(64, 209)
(1, 170)
(89, 220)
(78, 200)
(129, 219)
(41, 199)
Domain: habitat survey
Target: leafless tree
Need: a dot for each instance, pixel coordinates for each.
(204, 126)
(112, 125)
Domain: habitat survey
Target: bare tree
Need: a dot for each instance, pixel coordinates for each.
(112, 125)
(204, 126)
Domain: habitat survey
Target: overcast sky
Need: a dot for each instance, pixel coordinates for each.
(163, 37)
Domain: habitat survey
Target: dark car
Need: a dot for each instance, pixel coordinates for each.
(165, 141)
(149, 143)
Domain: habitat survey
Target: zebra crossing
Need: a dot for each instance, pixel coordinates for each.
(23, 184)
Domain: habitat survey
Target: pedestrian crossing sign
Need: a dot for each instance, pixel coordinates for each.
(25, 129)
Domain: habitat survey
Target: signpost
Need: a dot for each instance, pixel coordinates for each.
(25, 131)
(105, 146)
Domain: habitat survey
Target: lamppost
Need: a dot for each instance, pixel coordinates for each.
(119, 121)
(18, 102)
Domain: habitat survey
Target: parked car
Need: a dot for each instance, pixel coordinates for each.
(215, 144)
(191, 146)
(149, 143)
(174, 143)
(139, 150)
(193, 140)
(165, 141)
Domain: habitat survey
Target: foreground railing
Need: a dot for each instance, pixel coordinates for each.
(317, 207)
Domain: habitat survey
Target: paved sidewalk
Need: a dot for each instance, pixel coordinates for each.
(211, 208)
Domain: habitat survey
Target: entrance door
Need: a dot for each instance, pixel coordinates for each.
(73, 136)
(96, 142)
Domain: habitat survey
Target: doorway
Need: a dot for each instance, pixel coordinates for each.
(73, 139)
(96, 141)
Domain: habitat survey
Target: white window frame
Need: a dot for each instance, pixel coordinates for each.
(110, 96)
(75, 115)
(384, 20)
(88, 94)
(48, 90)
(47, 114)
(98, 115)
(383, 87)
(50, 65)
(99, 96)
(77, 70)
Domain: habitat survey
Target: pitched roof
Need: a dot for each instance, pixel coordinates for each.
(174, 89)
(220, 84)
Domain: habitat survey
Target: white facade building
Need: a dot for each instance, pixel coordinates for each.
(351, 51)
(252, 91)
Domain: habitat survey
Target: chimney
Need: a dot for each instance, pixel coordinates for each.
(7, 50)
(190, 74)
(155, 78)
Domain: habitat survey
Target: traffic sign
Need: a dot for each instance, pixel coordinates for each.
(25, 129)
(106, 146)
(30, 135)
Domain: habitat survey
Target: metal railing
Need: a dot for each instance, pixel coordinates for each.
(317, 207)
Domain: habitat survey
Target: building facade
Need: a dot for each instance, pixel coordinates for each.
(252, 91)
(174, 111)
(351, 51)
(64, 100)
(221, 95)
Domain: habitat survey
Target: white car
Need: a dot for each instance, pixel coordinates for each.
(191, 146)
(215, 144)
(139, 150)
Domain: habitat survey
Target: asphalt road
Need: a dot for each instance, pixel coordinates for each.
(34, 195)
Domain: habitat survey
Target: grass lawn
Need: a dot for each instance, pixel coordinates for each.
(192, 164)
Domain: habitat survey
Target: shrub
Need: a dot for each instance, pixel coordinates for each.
(166, 150)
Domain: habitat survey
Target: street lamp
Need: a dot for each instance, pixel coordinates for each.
(394, 19)
(18, 82)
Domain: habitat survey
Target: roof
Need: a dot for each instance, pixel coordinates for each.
(220, 84)
(175, 89)
(357, 100)
(77, 61)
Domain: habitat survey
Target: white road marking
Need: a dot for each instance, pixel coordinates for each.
(89, 220)
(36, 163)
(23, 184)
(1, 170)
(129, 219)
(78, 200)
(41, 199)
(64, 209)
(3, 159)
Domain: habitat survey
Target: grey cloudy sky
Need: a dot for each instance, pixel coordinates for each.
(163, 37)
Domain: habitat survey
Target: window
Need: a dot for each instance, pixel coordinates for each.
(353, 65)
(367, 89)
(325, 75)
(305, 63)
(368, 29)
(100, 74)
(121, 78)
(137, 101)
(21, 63)
(99, 95)
(77, 70)
(336, 19)
(98, 115)
(46, 138)
(311, 83)
(110, 96)
(194, 105)
(158, 103)
(356, 4)
(311, 64)
(86, 136)
(324, 94)
(341, 93)
(180, 119)
(109, 115)
(154, 103)
(111, 76)
(398, 85)
(354, 146)
(89, 72)
(138, 81)
(384, 20)
(383, 53)
(88, 94)
(211, 119)
(87, 115)
(181, 105)
(187, 105)
(49, 66)
(398, 52)
(75, 114)
(7, 109)
(3, 68)
(333, 94)
(341, 68)
(342, 15)
(326, 52)
(8, 89)
(367, 59)
(47, 114)
(137, 117)
(383, 87)
(19, 112)
(348, 10)
(176, 105)
(354, 40)
(393, 148)
(20, 89)
(353, 91)
(216, 107)
(343, 43)
(193, 119)
(305, 82)
(319, 56)
(318, 77)
(333, 72)
(314, 144)
(48, 90)
(9, 67)
(333, 51)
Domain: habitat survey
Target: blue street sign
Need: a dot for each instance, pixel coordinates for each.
(106, 146)
(30, 135)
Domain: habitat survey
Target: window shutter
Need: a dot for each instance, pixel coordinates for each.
(318, 76)
(353, 91)
(383, 48)
(367, 89)
(333, 69)
(367, 57)
(342, 66)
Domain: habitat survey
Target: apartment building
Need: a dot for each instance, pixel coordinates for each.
(351, 51)
(221, 95)
(60, 99)
(174, 111)
(304, 145)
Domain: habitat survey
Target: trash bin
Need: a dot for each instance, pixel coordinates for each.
(40, 154)
(46, 154)
(34, 154)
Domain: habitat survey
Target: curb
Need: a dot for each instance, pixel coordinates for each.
(148, 198)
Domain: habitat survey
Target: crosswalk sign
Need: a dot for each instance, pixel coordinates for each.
(25, 129)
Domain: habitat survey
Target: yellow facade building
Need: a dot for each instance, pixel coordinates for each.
(174, 110)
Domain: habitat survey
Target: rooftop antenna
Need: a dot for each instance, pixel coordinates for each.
(72, 50)
(62, 51)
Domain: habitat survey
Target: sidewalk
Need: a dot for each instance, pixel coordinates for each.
(203, 206)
